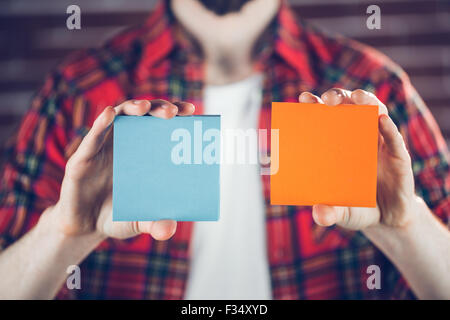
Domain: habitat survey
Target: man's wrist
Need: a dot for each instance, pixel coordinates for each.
(83, 244)
(418, 250)
(394, 238)
(42, 257)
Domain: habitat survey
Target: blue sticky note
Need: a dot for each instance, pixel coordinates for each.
(166, 169)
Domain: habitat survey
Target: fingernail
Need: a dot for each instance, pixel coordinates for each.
(137, 101)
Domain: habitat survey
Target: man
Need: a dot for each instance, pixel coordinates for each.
(232, 58)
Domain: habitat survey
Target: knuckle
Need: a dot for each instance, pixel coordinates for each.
(370, 94)
(330, 91)
(359, 93)
(70, 164)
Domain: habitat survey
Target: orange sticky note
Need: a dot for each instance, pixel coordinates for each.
(326, 155)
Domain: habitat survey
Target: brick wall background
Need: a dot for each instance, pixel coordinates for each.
(33, 38)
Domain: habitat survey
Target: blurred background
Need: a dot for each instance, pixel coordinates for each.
(34, 38)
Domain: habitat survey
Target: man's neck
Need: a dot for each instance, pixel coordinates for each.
(227, 41)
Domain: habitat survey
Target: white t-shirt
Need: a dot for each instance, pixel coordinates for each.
(229, 257)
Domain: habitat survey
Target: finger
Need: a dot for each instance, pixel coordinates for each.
(336, 96)
(184, 108)
(326, 216)
(392, 138)
(368, 98)
(159, 230)
(308, 97)
(133, 108)
(94, 140)
(163, 109)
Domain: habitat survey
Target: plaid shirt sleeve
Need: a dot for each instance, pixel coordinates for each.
(428, 150)
(35, 164)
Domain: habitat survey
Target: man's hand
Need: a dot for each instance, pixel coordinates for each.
(395, 181)
(85, 203)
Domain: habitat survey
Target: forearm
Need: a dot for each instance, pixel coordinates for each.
(35, 266)
(420, 250)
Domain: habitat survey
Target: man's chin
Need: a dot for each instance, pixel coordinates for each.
(223, 7)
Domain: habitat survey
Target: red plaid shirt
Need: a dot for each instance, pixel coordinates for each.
(154, 61)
